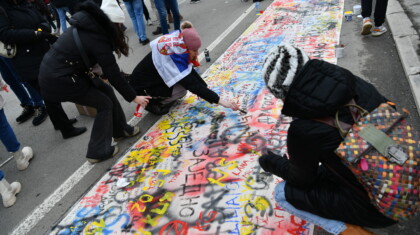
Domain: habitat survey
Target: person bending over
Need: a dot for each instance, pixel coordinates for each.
(166, 73)
(314, 89)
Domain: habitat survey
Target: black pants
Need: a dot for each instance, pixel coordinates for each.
(55, 110)
(380, 10)
(109, 122)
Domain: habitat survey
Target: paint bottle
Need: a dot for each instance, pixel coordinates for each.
(207, 55)
(137, 116)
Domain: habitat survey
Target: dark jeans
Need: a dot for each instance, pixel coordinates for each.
(26, 94)
(7, 135)
(109, 121)
(161, 8)
(380, 10)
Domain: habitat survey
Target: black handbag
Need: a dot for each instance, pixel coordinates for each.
(93, 77)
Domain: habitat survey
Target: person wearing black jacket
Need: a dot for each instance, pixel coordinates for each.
(23, 25)
(313, 89)
(63, 74)
(154, 75)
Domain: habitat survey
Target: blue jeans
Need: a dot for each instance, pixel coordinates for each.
(331, 226)
(62, 15)
(7, 135)
(135, 10)
(28, 96)
(160, 7)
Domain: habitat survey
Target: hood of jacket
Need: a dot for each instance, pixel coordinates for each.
(319, 90)
(88, 16)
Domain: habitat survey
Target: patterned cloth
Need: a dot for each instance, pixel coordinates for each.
(171, 58)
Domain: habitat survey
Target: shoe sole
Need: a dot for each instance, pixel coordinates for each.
(378, 34)
(136, 131)
(93, 160)
(366, 29)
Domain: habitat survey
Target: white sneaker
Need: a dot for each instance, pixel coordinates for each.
(8, 192)
(378, 31)
(23, 157)
(367, 26)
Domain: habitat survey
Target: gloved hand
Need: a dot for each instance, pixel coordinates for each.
(44, 35)
(273, 163)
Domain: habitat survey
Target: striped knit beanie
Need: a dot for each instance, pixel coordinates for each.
(281, 65)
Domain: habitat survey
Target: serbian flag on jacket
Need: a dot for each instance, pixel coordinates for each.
(170, 57)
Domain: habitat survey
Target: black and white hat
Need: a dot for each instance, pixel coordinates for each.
(281, 65)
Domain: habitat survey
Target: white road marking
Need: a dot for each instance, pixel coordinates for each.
(226, 32)
(41, 210)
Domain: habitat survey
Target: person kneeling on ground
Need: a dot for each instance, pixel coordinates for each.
(63, 74)
(312, 89)
(166, 73)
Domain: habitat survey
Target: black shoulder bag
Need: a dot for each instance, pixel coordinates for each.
(95, 78)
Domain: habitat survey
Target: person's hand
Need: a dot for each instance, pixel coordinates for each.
(142, 100)
(44, 35)
(229, 104)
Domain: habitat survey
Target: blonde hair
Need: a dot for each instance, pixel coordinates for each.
(186, 25)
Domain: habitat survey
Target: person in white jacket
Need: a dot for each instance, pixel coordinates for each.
(21, 155)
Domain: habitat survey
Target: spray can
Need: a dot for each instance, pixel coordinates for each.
(257, 6)
(137, 116)
(207, 55)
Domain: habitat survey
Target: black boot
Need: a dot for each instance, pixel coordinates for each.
(71, 121)
(157, 31)
(74, 131)
(27, 112)
(40, 115)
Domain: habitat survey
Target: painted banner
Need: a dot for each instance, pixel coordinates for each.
(196, 170)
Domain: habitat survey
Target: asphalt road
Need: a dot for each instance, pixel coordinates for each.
(374, 59)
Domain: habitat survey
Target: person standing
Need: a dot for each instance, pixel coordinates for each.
(21, 155)
(29, 98)
(161, 9)
(135, 10)
(379, 17)
(62, 9)
(23, 25)
(95, 36)
(8, 137)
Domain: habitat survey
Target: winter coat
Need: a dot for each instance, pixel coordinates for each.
(18, 23)
(146, 77)
(319, 90)
(62, 70)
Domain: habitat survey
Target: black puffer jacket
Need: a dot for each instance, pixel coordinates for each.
(319, 90)
(18, 23)
(146, 77)
(59, 69)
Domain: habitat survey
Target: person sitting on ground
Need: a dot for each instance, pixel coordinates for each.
(166, 73)
(63, 74)
(314, 89)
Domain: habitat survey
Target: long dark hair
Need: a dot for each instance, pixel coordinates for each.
(120, 41)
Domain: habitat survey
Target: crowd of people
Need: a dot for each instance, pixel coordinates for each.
(79, 65)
